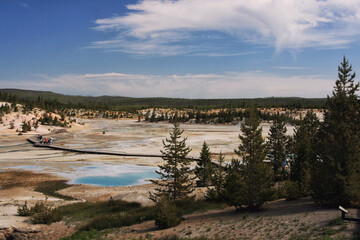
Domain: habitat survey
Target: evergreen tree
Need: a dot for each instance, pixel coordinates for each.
(36, 124)
(203, 170)
(147, 115)
(249, 183)
(304, 152)
(167, 214)
(12, 124)
(153, 116)
(335, 179)
(26, 126)
(175, 181)
(276, 145)
(217, 180)
(14, 107)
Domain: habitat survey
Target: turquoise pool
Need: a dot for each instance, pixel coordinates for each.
(106, 174)
(125, 179)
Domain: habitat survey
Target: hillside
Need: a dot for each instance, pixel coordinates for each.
(129, 103)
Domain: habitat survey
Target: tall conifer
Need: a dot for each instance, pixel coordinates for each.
(277, 144)
(336, 174)
(217, 180)
(175, 181)
(203, 170)
(249, 183)
(304, 151)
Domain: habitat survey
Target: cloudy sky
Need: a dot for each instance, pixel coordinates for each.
(178, 48)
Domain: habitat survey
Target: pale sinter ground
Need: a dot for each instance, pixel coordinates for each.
(132, 137)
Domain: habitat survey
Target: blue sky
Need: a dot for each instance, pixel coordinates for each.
(183, 48)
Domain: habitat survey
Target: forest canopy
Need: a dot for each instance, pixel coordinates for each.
(46, 99)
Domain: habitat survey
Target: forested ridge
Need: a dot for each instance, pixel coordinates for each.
(52, 101)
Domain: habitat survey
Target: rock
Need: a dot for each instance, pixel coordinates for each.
(17, 234)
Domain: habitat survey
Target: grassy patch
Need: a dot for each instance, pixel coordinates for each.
(107, 215)
(42, 182)
(190, 206)
(50, 188)
(86, 235)
(336, 222)
(176, 237)
(128, 218)
(300, 236)
(96, 235)
(88, 211)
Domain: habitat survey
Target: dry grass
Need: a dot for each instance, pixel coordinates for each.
(40, 182)
(11, 179)
(280, 219)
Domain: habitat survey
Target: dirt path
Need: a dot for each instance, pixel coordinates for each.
(280, 220)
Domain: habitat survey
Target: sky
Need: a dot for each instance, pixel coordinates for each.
(178, 48)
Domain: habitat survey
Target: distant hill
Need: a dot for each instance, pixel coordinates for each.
(129, 103)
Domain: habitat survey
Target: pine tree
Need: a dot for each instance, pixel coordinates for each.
(24, 126)
(249, 183)
(203, 170)
(175, 181)
(276, 145)
(304, 152)
(217, 180)
(336, 174)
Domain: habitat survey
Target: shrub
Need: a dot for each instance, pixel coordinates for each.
(293, 191)
(279, 191)
(24, 210)
(167, 214)
(26, 126)
(43, 214)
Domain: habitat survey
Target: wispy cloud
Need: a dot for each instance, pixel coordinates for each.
(178, 27)
(227, 85)
(291, 68)
(24, 5)
(223, 54)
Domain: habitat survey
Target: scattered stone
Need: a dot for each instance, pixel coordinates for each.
(17, 234)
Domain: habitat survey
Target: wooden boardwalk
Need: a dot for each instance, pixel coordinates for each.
(37, 144)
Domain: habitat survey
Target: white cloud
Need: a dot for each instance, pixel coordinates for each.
(24, 5)
(169, 27)
(227, 85)
(291, 68)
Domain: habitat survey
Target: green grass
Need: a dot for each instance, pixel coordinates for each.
(336, 222)
(330, 231)
(300, 236)
(90, 210)
(120, 219)
(96, 235)
(87, 235)
(175, 237)
(50, 188)
(191, 206)
(97, 216)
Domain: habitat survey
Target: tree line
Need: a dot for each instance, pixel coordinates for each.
(222, 116)
(52, 101)
(321, 159)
